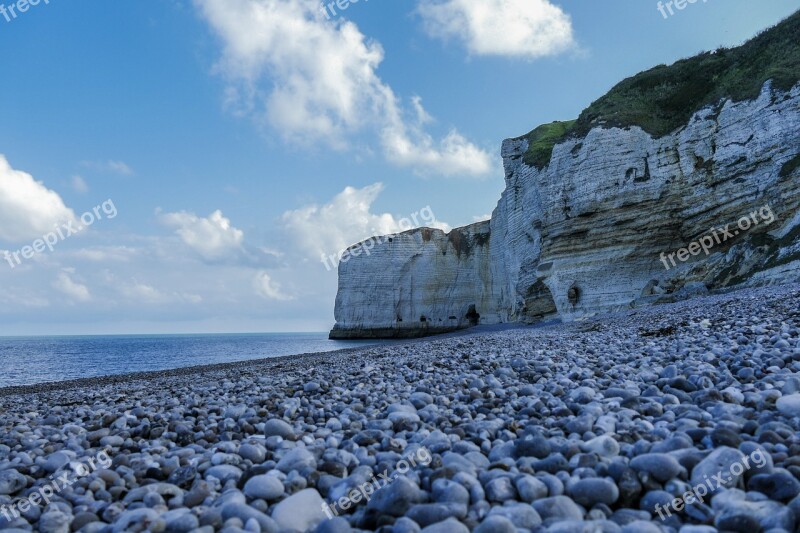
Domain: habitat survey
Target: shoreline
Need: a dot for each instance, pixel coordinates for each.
(600, 425)
(480, 330)
(278, 361)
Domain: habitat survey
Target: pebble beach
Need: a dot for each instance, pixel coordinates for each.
(606, 425)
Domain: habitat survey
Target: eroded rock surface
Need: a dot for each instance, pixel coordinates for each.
(586, 234)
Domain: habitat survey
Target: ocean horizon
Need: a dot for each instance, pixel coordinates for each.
(32, 360)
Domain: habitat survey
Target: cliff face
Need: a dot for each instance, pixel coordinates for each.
(415, 283)
(598, 217)
(586, 233)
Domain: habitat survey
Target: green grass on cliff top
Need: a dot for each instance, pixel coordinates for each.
(662, 99)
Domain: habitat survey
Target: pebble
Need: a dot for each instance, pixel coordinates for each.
(337, 524)
(559, 508)
(789, 406)
(451, 525)
(521, 515)
(550, 429)
(530, 488)
(660, 466)
(224, 473)
(397, 498)
(299, 459)
(279, 428)
(426, 514)
(604, 446)
(500, 489)
(720, 462)
(780, 485)
(254, 453)
(11, 481)
(300, 511)
(263, 487)
(588, 492)
(244, 513)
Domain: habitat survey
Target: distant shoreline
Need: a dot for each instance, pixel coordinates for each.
(284, 363)
(301, 361)
(267, 363)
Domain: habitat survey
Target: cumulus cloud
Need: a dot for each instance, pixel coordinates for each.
(516, 28)
(75, 290)
(451, 156)
(213, 237)
(347, 219)
(28, 209)
(269, 289)
(312, 79)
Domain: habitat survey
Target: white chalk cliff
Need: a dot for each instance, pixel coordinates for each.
(584, 235)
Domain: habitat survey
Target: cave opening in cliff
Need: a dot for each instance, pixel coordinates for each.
(573, 295)
(539, 302)
(473, 316)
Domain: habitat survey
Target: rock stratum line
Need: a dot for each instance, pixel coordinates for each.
(583, 234)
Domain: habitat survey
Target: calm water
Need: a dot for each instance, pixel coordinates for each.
(29, 360)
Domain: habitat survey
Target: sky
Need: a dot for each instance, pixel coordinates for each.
(182, 166)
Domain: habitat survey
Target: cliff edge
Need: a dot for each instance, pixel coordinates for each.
(681, 180)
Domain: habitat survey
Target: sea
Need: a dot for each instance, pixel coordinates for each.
(33, 360)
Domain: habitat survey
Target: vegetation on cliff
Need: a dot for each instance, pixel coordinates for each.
(662, 99)
(542, 140)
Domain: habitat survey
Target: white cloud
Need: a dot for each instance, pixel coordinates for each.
(13, 298)
(267, 288)
(315, 80)
(213, 237)
(28, 209)
(130, 289)
(120, 168)
(346, 220)
(115, 167)
(79, 184)
(141, 292)
(515, 28)
(106, 253)
(271, 252)
(71, 288)
(451, 156)
(422, 116)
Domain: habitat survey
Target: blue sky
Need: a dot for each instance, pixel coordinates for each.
(239, 139)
